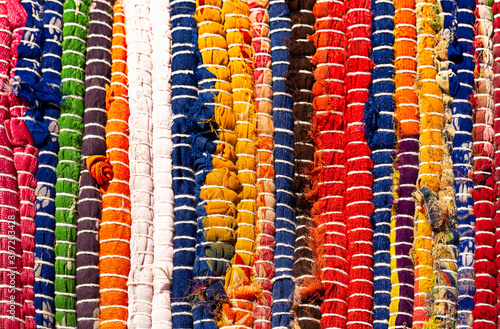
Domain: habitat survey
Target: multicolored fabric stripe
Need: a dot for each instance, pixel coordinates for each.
(496, 141)
(265, 201)
(300, 80)
(115, 226)
(462, 54)
(381, 137)
(163, 222)
(97, 76)
(50, 96)
(238, 311)
(184, 95)
(25, 67)
(406, 165)
(10, 231)
(283, 284)
(139, 36)
(358, 183)
(329, 159)
(485, 270)
(75, 18)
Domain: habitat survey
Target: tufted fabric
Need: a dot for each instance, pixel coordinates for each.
(406, 165)
(163, 221)
(381, 137)
(114, 229)
(139, 36)
(462, 55)
(97, 75)
(283, 284)
(49, 95)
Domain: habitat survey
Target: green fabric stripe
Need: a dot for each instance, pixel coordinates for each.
(76, 22)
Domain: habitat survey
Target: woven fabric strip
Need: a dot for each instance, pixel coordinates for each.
(47, 162)
(381, 136)
(139, 36)
(10, 232)
(25, 67)
(329, 160)
(163, 221)
(358, 182)
(300, 80)
(184, 95)
(406, 165)
(114, 229)
(266, 217)
(238, 311)
(485, 269)
(462, 54)
(97, 76)
(75, 18)
(283, 284)
(496, 142)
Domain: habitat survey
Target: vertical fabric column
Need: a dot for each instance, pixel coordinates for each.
(381, 137)
(329, 172)
(265, 201)
(496, 141)
(163, 221)
(10, 222)
(75, 18)
(25, 67)
(462, 54)
(300, 80)
(359, 179)
(139, 36)
(115, 226)
(485, 269)
(50, 97)
(283, 285)
(406, 165)
(97, 76)
(184, 95)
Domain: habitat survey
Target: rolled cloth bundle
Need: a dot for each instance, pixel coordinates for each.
(50, 96)
(406, 165)
(381, 136)
(75, 18)
(184, 95)
(11, 316)
(93, 171)
(114, 229)
(329, 172)
(283, 285)
(163, 221)
(25, 67)
(139, 36)
(496, 141)
(461, 54)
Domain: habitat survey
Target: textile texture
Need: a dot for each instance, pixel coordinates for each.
(115, 225)
(97, 76)
(496, 141)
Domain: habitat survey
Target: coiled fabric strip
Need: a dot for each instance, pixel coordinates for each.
(115, 226)
(139, 36)
(381, 137)
(10, 231)
(496, 141)
(485, 270)
(283, 285)
(358, 182)
(25, 67)
(300, 80)
(163, 221)
(49, 97)
(184, 95)
(462, 54)
(97, 76)
(238, 311)
(265, 201)
(406, 165)
(75, 18)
